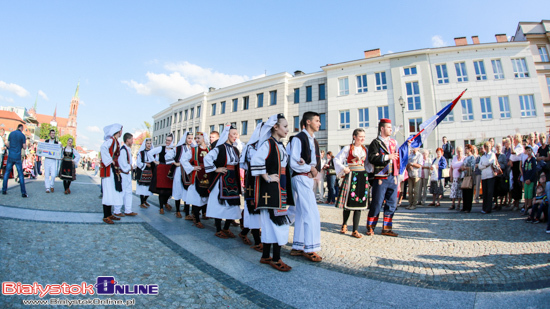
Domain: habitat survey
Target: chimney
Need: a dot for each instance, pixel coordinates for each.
(501, 38)
(298, 73)
(210, 89)
(461, 41)
(475, 39)
(372, 53)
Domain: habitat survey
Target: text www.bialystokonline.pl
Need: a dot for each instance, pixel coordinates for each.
(79, 302)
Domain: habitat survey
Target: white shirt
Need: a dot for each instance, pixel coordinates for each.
(516, 153)
(125, 165)
(295, 152)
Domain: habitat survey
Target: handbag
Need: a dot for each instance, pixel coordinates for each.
(445, 173)
(497, 171)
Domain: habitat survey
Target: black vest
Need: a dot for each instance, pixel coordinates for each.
(306, 150)
(162, 159)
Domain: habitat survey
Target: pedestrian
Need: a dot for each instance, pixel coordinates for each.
(467, 168)
(414, 169)
(383, 155)
(145, 174)
(350, 162)
(478, 152)
(448, 152)
(319, 182)
(515, 163)
(68, 165)
(456, 179)
(16, 142)
(111, 181)
(181, 180)
(125, 163)
(529, 172)
(50, 166)
(487, 167)
(161, 184)
(332, 183)
(425, 176)
(501, 182)
(436, 179)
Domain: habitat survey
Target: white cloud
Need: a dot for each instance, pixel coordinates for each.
(94, 129)
(16, 89)
(184, 79)
(9, 100)
(437, 41)
(390, 51)
(82, 103)
(82, 136)
(43, 95)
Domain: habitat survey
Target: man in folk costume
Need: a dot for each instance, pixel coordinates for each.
(193, 165)
(111, 181)
(181, 179)
(251, 215)
(125, 163)
(225, 189)
(269, 165)
(353, 193)
(161, 184)
(50, 166)
(305, 149)
(144, 174)
(69, 163)
(383, 155)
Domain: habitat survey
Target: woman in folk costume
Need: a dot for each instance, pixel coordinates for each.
(161, 184)
(251, 216)
(67, 171)
(225, 188)
(180, 179)
(144, 173)
(269, 164)
(111, 182)
(197, 192)
(353, 192)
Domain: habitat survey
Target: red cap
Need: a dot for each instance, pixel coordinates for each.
(384, 120)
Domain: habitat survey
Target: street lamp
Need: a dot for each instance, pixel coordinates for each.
(402, 103)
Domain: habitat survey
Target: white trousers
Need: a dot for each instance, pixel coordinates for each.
(307, 227)
(127, 194)
(50, 171)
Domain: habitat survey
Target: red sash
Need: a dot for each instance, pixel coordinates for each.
(163, 182)
(114, 152)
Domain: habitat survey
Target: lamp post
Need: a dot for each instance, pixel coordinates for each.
(402, 103)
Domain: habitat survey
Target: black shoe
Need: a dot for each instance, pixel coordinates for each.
(4, 192)
(24, 195)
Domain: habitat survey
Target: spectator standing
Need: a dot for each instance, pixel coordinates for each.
(477, 174)
(542, 155)
(448, 152)
(436, 181)
(414, 169)
(16, 142)
(532, 141)
(456, 179)
(467, 168)
(529, 172)
(332, 184)
(424, 176)
(486, 165)
(515, 164)
(502, 184)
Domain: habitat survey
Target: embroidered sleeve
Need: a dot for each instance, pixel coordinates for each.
(151, 153)
(105, 155)
(340, 160)
(209, 159)
(76, 157)
(257, 164)
(123, 160)
(185, 161)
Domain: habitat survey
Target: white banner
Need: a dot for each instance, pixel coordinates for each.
(47, 150)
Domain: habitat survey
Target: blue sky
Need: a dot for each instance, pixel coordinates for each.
(134, 58)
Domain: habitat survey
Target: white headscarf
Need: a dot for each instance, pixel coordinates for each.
(111, 130)
(143, 144)
(224, 135)
(183, 139)
(256, 134)
(239, 145)
(266, 129)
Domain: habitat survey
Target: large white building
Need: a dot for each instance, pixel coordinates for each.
(503, 97)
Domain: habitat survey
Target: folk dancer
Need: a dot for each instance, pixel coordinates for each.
(111, 181)
(125, 163)
(50, 166)
(225, 189)
(69, 163)
(353, 193)
(197, 192)
(144, 174)
(161, 184)
(383, 155)
(251, 215)
(305, 149)
(181, 179)
(269, 164)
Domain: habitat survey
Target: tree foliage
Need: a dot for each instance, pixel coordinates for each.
(45, 131)
(63, 140)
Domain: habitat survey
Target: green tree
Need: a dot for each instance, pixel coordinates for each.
(63, 140)
(45, 131)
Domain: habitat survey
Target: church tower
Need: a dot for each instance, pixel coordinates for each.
(71, 123)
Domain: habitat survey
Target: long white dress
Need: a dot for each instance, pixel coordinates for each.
(110, 195)
(141, 189)
(178, 191)
(215, 209)
(251, 221)
(193, 197)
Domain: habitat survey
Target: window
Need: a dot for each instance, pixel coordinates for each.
(451, 116)
(520, 68)
(223, 108)
(548, 83)
(414, 125)
(181, 118)
(220, 128)
(363, 117)
(479, 67)
(234, 125)
(461, 74)
(192, 113)
(362, 83)
(504, 105)
(296, 124)
(309, 94)
(497, 69)
(344, 119)
(245, 103)
(323, 119)
(235, 105)
(381, 81)
(296, 95)
(198, 111)
(321, 91)
(442, 75)
(469, 142)
(413, 96)
(244, 127)
(527, 104)
(258, 122)
(383, 112)
(343, 86)
(543, 52)
(214, 109)
(467, 110)
(190, 130)
(410, 71)
(186, 114)
(260, 98)
(212, 128)
(196, 129)
(486, 109)
(273, 97)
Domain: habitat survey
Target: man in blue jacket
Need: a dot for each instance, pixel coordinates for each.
(16, 142)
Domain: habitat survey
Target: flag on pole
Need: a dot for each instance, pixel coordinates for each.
(426, 129)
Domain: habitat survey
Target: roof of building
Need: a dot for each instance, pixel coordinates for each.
(10, 115)
(61, 122)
